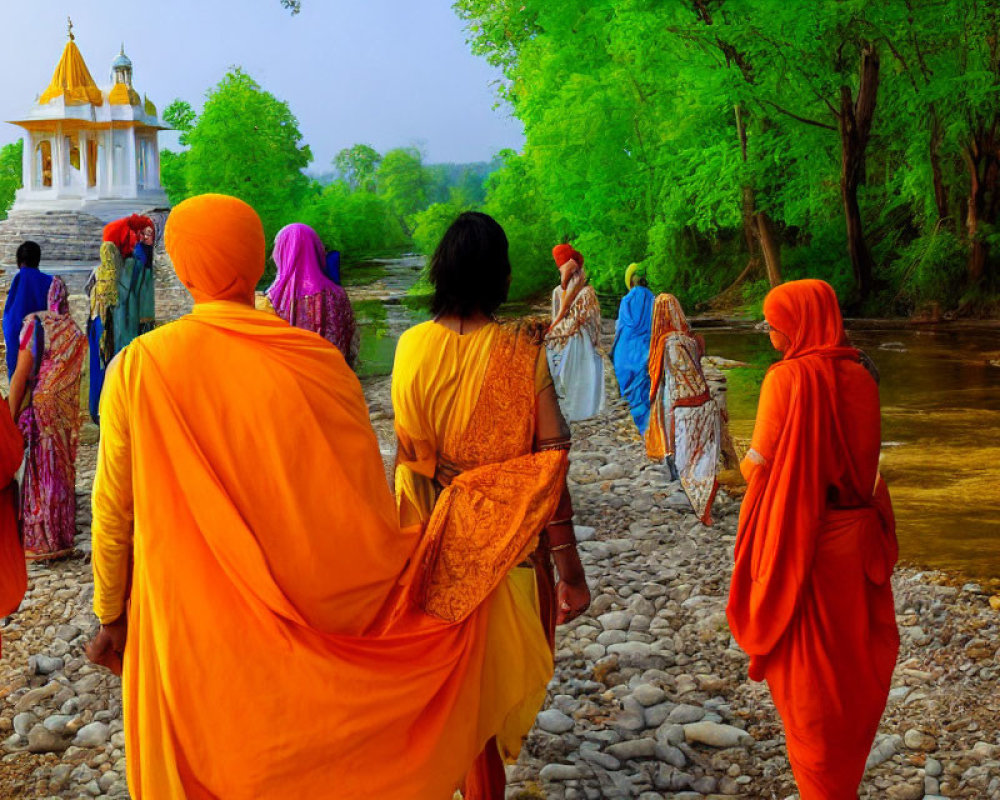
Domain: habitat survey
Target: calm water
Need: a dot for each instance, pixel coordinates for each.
(940, 431)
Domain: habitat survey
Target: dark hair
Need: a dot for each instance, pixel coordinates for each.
(470, 268)
(641, 281)
(29, 254)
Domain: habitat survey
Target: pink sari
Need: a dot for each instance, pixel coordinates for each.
(50, 424)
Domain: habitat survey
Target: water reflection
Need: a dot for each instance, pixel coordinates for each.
(940, 431)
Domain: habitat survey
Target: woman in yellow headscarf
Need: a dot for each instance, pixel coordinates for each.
(250, 570)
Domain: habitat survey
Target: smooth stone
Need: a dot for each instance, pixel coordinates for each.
(57, 723)
(633, 748)
(608, 638)
(93, 735)
(649, 695)
(670, 733)
(559, 772)
(611, 472)
(657, 715)
(67, 633)
(918, 740)
(685, 714)
(59, 777)
(44, 665)
(905, 791)
(630, 718)
(42, 740)
(592, 652)
(554, 721)
(24, 722)
(671, 755)
(715, 735)
(602, 760)
(933, 768)
(615, 620)
(584, 533)
(706, 784)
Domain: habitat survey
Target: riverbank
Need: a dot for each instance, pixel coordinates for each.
(650, 697)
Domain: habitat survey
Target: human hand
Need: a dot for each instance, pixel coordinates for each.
(572, 599)
(107, 648)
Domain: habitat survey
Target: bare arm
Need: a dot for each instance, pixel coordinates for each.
(572, 592)
(19, 381)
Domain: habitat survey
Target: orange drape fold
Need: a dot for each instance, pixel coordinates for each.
(810, 599)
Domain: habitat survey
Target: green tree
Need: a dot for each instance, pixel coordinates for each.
(247, 143)
(11, 156)
(357, 166)
(403, 181)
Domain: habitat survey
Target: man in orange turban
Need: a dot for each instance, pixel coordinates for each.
(249, 568)
(810, 600)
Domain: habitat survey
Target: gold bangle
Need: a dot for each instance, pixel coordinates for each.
(562, 547)
(554, 522)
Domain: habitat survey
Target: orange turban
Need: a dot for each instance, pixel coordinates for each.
(564, 252)
(124, 232)
(216, 243)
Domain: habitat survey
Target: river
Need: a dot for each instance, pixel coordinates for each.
(940, 416)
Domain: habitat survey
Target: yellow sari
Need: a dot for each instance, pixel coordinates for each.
(468, 401)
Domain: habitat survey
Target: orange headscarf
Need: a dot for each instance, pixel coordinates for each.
(566, 252)
(217, 246)
(786, 499)
(808, 314)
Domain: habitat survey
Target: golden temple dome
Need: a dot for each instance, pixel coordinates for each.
(123, 95)
(150, 108)
(72, 80)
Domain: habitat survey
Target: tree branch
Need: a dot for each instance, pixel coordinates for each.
(804, 120)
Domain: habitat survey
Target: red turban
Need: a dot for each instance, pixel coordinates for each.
(124, 233)
(564, 252)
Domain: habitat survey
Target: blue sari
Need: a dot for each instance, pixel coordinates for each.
(630, 352)
(28, 294)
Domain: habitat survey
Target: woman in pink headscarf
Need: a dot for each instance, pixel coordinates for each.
(304, 296)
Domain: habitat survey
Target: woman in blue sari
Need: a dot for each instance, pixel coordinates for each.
(630, 351)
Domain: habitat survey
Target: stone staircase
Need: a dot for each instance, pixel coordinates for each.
(64, 236)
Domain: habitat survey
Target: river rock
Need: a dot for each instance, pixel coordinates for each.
(685, 714)
(559, 772)
(633, 749)
(42, 740)
(715, 735)
(93, 735)
(918, 740)
(906, 791)
(554, 721)
(615, 620)
(649, 695)
(44, 665)
(24, 722)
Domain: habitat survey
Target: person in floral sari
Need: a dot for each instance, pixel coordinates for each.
(45, 401)
(304, 296)
(573, 339)
(685, 423)
(482, 455)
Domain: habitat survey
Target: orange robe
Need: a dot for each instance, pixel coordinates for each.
(810, 599)
(273, 649)
(13, 574)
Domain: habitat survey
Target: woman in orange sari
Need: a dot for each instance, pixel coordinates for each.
(475, 406)
(810, 599)
(13, 574)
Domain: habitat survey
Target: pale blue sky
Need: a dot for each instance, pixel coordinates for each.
(389, 73)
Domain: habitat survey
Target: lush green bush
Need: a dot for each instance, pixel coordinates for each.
(10, 174)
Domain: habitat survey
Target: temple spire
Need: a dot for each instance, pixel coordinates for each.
(69, 22)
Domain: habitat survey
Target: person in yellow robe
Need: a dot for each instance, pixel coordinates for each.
(481, 455)
(250, 574)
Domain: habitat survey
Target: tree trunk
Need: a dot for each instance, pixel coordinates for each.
(771, 248)
(855, 119)
(749, 198)
(940, 193)
(981, 157)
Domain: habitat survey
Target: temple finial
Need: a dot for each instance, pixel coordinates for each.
(69, 22)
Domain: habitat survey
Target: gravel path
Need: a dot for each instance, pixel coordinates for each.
(650, 698)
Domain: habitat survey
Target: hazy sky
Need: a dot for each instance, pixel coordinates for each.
(389, 73)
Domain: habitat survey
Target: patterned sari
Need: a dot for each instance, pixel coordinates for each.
(572, 347)
(685, 421)
(466, 405)
(50, 424)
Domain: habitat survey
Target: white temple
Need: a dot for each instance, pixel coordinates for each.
(90, 150)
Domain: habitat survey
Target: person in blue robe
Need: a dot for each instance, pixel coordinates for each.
(630, 351)
(28, 294)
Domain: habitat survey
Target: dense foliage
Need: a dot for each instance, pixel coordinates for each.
(10, 174)
(247, 143)
(729, 144)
